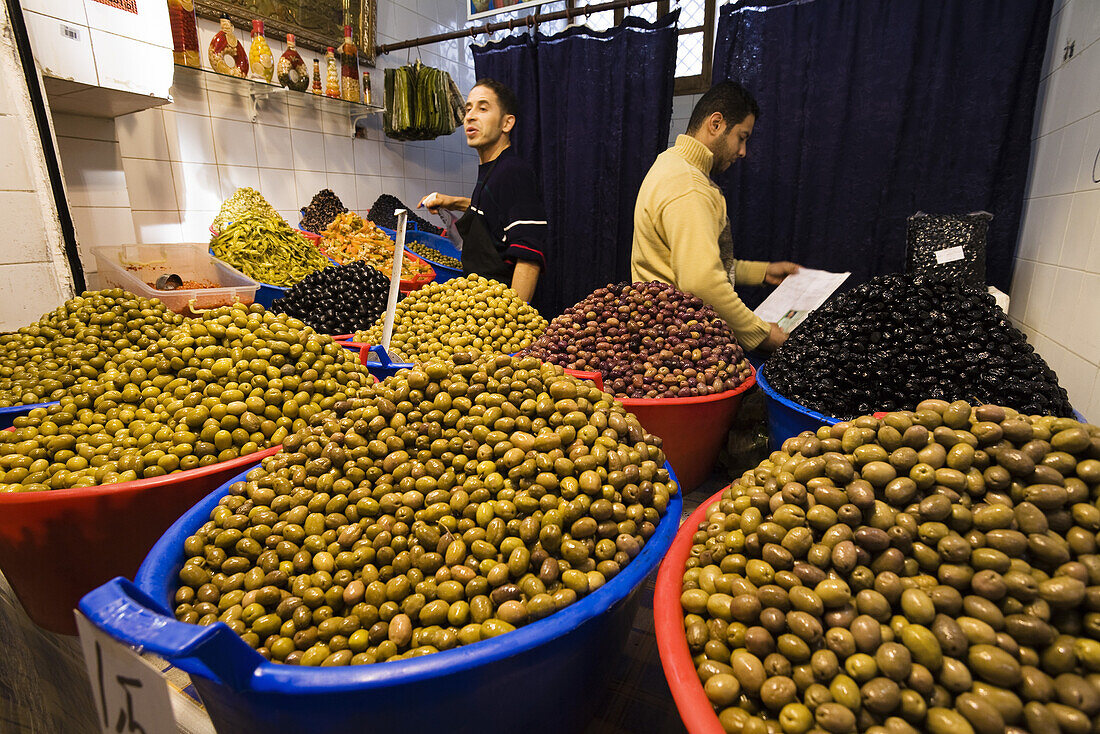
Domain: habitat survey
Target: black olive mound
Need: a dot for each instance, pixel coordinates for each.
(897, 339)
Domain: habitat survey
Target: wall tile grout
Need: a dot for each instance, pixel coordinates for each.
(1063, 127)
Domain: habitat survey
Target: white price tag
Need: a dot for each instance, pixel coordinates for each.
(130, 694)
(950, 255)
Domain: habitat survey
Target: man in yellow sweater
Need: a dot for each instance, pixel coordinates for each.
(681, 231)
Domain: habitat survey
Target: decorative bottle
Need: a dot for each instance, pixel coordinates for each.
(316, 76)
(292, 71)
(349, 68)
(332, 76)
(259, 54)
(225, 46)
(367, 96)
(185, 35)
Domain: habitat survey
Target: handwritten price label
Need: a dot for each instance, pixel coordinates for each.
(130, 694)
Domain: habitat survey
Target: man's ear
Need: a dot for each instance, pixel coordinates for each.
(716, 122)
(509, 123)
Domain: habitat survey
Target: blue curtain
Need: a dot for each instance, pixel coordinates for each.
(872, 110)
(602, 101)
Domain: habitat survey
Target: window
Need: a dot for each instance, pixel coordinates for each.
(695, 52)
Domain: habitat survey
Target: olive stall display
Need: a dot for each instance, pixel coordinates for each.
(337, 300)
(456, 503)
(930, 571)
(74, 342)
(244, 201)
(229, 384)
(648, 340)
(381, 212)
(897, 339)
(322, 209)
(267, 250)
(460, 314)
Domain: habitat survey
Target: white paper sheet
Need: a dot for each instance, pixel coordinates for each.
(804, 291)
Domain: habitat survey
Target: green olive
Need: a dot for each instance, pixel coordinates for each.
(346, 557)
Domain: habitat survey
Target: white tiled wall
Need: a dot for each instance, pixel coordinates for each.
(1056, 287)
(34, 276)
(682, 106)
(161, 175)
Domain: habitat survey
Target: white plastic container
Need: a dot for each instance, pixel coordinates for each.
(136, 268)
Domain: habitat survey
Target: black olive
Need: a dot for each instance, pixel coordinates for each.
(322, 209)
(382, 213)
(337, 299)
(897, 340)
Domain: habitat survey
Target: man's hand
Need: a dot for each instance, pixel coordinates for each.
(777, 271)
(773, 340)
(435, 201)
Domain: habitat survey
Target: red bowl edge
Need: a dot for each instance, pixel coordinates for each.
(18, 498)
(696, 710)
(694, 399)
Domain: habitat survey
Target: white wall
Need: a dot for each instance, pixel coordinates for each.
(682, 106)
(1056, 286)
(34, 275)
(161, 175)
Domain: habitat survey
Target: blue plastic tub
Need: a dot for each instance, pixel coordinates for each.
(8, 415)
(381, 366)
(544, 677)
(442, 245)
(787, 418)
(268, 293)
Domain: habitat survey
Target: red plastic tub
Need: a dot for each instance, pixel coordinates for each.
(693, 428)
(695, 708)
(56, 546)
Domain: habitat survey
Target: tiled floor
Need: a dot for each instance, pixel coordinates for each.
(44, 689)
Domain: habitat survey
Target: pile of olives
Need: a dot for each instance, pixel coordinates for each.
(473, 312)
(897, 339)
(648, 340)
(71, 344)
(322, 209)
(934, 571)
(460, 501)
(381, 212)
(337, 300)
(430, 253)
(212, 389)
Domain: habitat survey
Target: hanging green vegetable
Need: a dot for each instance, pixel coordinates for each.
(422, 103)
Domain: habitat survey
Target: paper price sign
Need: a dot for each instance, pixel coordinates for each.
(130, 694)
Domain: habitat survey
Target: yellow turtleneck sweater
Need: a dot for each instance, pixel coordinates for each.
(678, 218)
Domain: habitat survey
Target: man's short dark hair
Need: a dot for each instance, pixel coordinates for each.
(505, 96)
(730, 98)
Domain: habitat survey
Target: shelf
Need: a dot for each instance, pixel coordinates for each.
(76, 98)
(255, 90)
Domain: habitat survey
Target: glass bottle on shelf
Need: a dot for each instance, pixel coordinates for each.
(349, 68)
(316, 76)
(291, 69)
(332, 76)
(185, 34)
(224, 46)
(367, 96)
(259, 54)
